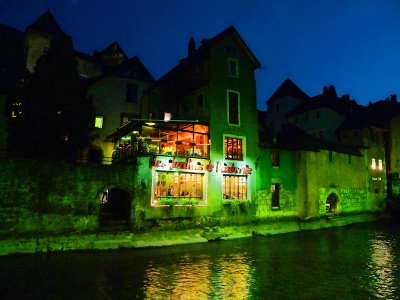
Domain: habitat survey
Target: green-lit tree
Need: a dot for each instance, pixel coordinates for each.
(56, 118)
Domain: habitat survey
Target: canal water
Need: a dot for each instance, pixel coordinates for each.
(360, 261)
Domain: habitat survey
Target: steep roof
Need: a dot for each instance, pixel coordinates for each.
(292, 137)
(231, 30)
(377, 114)
(132, 68)
(46, 23)
(113, 48)
(327, 99)
(205, 45)
(288, 88)
(9, 34)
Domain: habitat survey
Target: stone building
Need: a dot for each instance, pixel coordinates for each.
(116, 95)
(287, 97)
(115, 82)
(207, 151)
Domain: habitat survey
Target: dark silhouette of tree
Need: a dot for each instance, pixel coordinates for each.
(57, 117)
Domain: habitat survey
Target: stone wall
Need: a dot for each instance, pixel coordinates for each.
(42, 197)
(3, 130)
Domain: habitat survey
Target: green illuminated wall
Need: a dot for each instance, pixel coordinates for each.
(40, 197)
(318, 178)
(285, 175)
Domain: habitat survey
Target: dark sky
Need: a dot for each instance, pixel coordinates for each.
(352, 44)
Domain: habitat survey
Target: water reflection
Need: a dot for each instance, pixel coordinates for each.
(203, 277)
(382, 267)
(356, 262)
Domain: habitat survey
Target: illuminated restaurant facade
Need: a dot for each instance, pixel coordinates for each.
(200, 146)
(199, 129)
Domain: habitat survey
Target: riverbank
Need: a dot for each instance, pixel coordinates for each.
(161, 238)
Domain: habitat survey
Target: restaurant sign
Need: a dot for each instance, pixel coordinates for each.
(195, 164)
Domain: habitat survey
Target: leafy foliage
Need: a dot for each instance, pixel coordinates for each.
(56, 114)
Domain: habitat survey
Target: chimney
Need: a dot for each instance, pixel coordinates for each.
(191, 46)
(332, 91)
(346, 97)
(393, 98)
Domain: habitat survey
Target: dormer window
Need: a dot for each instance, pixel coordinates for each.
(233, 67)
(230, 50)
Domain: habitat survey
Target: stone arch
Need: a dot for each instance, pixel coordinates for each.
(115, 209)
(332, 203)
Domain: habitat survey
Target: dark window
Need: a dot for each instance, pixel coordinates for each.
(233, 103)
(306, 117)
(330, 156)
(277, 107)
(230, 50)
(233, 148)
(317, 114)
(200, 100)
(275, 187)
(275, 158)
(233, 69)
(131, 93)
(321, 134)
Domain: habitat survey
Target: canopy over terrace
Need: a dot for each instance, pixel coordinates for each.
(158, 137)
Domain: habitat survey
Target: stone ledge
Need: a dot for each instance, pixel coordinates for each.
(161, 238)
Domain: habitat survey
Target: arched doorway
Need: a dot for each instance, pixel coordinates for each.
(331, 203)
(115, 209)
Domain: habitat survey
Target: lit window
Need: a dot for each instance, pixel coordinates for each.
(233, 108)
(233, 148)
(178, 186)
(16, 109)
(373, 164)
(275, 158)
(98, 123)
(233, 69)
(380, 165)
(275, 187)
(234, 187)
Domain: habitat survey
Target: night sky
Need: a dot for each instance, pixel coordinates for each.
(353, 45)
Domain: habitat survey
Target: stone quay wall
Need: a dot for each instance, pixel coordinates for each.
(44, 197)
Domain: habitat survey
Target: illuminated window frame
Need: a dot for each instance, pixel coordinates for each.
(275, 195)
(234, 187)
(234, 147)
(176, 186)
(380, 164)
(99, 122)
(373, 164)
